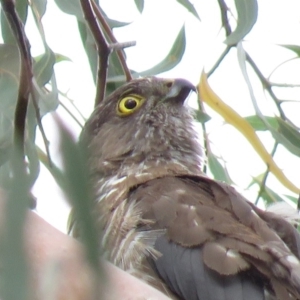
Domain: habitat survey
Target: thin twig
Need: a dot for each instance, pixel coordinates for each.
(226, 25)
(285, 85)
(71, 114)
(71, 101)
(220, 59)
(264, 180)
(112, 38)
(266, 84)
(224, 17)
(102, 48)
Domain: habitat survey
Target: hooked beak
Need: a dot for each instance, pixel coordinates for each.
(179, 90)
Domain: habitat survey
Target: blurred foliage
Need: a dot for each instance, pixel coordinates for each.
(237, 20)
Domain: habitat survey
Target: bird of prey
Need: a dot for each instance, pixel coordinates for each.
(163, 220)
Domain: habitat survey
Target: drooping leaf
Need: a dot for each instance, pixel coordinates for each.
(233, 118)
(218, 170)
(173, 57)
(139, 5)
(247, 16)
(289, 132)
(39, 6)
(190, 7)
(90, 48)
(43, 67)
(259, 125)
(71, 7)
(294, 48)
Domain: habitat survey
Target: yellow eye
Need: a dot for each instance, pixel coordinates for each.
(129, 104)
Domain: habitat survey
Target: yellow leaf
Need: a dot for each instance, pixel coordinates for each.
(233, 118)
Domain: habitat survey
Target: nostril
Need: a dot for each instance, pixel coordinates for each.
(169, 84)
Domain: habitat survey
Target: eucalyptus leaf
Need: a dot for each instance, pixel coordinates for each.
(43, 67)
(39, 6)
(201, 116)
(294, 48)
(217, 169)
(259, 125)
(139, 5)
(289, 132)
(90, 48)
(60, 57)
(71, 7)
(190, 7)
(247, 15)
(293, 199)
(173, 57)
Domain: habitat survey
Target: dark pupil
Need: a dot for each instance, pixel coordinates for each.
(130, 104)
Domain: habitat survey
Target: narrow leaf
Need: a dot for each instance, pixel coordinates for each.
(217, 169)
(233, 118)
(139, 5)
(294, 48)
(172, 59)
(39, 6)
(43, 67)
(190, 7)
(259, 125)
(247, 16)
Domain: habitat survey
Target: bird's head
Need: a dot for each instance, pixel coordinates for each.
(144, 122)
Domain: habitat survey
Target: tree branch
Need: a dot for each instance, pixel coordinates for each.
(102, 48)
(112, 38)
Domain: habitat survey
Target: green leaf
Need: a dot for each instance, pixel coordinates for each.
(294, 48)
(219, 172)
(70, 7)
(60, 57)
(79, 193)
(259, 125)
(7, 34)
(172, 59)
(139, 5)
(90, 48)
(289, 132)
(190, 7)
(202, 117)
(247, 16)
(39, 6)
(43, 67)
(294, 199)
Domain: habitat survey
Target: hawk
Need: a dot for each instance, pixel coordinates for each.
(163, 220)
